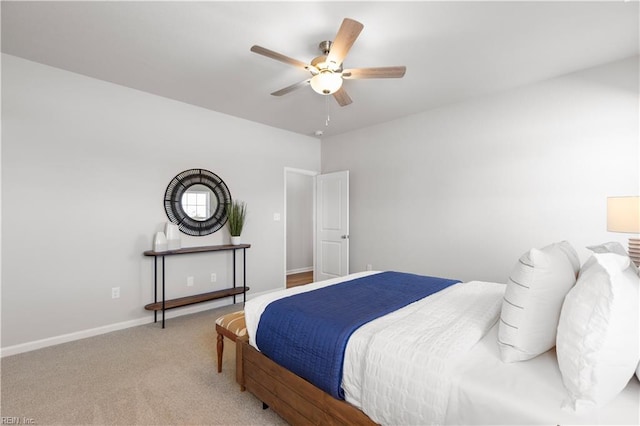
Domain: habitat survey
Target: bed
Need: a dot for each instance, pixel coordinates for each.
(434, 361)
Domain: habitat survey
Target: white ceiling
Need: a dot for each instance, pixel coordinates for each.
(198, 52)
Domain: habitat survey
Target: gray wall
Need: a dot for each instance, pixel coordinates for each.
(85, 165)
(463, 190)
(459, 191)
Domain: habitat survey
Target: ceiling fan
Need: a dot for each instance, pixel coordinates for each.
(326, 70)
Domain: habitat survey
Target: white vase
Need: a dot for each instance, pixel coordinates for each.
(160, 242)
(235, 241)
(173, 236)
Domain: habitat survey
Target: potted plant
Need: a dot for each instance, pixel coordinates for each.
(236, 216)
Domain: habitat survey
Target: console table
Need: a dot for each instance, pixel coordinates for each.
(164, 304)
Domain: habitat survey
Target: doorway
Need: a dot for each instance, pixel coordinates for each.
(299, 226)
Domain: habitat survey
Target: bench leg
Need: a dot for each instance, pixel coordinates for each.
(220, 349)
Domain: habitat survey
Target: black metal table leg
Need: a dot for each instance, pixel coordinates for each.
(163, 292)
(234, 275)
(155, 287)
(244, 276)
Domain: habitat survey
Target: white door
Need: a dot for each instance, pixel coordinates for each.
(332, 225)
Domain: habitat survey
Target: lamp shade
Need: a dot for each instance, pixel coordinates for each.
(623, 214)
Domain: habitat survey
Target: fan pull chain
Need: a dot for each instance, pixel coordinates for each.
(326, 123)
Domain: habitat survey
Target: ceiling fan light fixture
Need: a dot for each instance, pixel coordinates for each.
(326, 82)
(327, 70)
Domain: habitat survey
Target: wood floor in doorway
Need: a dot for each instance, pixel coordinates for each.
(302, 278)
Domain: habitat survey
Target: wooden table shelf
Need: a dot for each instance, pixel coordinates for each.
(201, 249)
(164, 304)
(196, 298)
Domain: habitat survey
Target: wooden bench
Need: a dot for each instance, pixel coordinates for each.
(231, 326)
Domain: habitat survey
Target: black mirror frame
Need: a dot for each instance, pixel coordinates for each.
(173, 202)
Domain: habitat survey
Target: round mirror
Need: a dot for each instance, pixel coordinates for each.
(195, 200)
(199, 202)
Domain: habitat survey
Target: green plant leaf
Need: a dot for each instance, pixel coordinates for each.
(236, 214)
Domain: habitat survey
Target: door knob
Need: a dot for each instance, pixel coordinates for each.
(345, 237)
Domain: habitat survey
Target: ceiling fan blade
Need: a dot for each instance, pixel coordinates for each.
(278, 57)
(347, 35)
(291, 88)
(342, 97)
(381, 72)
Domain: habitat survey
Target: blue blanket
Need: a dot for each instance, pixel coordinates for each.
(307, 333)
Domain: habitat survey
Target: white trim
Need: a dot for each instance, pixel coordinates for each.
(300, 171)
(70, 337)
(83, 334)
(300, 270)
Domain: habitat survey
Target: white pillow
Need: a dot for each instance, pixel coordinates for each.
(614, 247)
(533, 300)
(598, 345)
(571, 254)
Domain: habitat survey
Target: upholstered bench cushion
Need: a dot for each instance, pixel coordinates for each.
(234, 323)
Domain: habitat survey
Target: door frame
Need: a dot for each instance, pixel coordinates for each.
(313, 174)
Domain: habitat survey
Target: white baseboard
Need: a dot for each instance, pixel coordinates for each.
(64, 338)
(300, 270)
(83, 334)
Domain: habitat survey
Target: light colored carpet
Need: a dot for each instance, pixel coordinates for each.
(141, 375)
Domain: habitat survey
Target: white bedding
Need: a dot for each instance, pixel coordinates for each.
(487, 391)
(421, 339)
(398, 368)
(473, 387)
